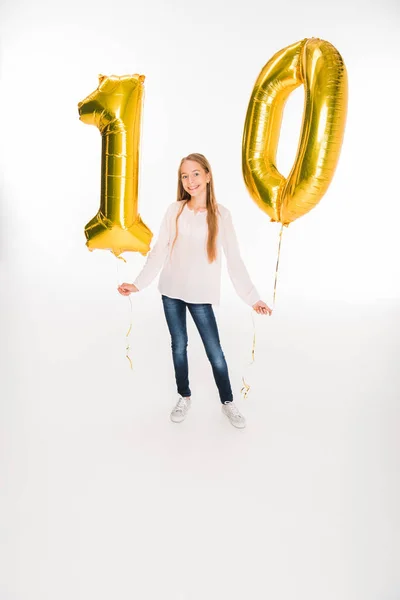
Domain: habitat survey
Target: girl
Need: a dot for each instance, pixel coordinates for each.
(189, 249)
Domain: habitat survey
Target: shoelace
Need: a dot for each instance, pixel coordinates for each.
(181, 404)
(233, 409)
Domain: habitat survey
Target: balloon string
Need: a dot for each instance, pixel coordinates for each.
(127, 348)
(277, 265)
(246, 387)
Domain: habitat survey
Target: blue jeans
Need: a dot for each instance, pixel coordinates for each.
(204, 318)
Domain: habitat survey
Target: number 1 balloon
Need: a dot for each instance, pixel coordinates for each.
(115, 108)
(319, 67)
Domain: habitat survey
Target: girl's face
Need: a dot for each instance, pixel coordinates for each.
(194, 178)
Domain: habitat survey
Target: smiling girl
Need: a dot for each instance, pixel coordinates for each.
(188, 250)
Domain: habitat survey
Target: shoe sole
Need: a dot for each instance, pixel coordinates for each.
(237, 425)
(174, 420)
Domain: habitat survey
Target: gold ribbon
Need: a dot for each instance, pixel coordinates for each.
(246, 387)
(127, 348)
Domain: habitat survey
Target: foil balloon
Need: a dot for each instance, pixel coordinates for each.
(318, 66)
(115, 108)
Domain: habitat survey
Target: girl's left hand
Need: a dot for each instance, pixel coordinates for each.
(261, 308)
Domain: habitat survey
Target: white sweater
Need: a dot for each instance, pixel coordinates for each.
(186, 273)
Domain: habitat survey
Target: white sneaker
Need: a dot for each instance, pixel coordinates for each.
(232, 412)
(180, 409)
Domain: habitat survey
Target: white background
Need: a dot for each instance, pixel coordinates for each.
(102, 496)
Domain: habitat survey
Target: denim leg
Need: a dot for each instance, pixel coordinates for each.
(175, 314)
(204, 318)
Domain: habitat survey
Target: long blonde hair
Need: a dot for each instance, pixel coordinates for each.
(212, 208)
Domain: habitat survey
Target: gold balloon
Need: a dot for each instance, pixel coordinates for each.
(319, 67)
(115, 108)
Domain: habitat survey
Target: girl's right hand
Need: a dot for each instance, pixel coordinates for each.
(127, 288)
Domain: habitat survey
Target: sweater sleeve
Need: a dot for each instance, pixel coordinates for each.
(156, 257)
(235, 265)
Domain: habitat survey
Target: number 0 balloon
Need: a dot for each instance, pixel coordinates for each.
(115, 108)
(319, 67)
